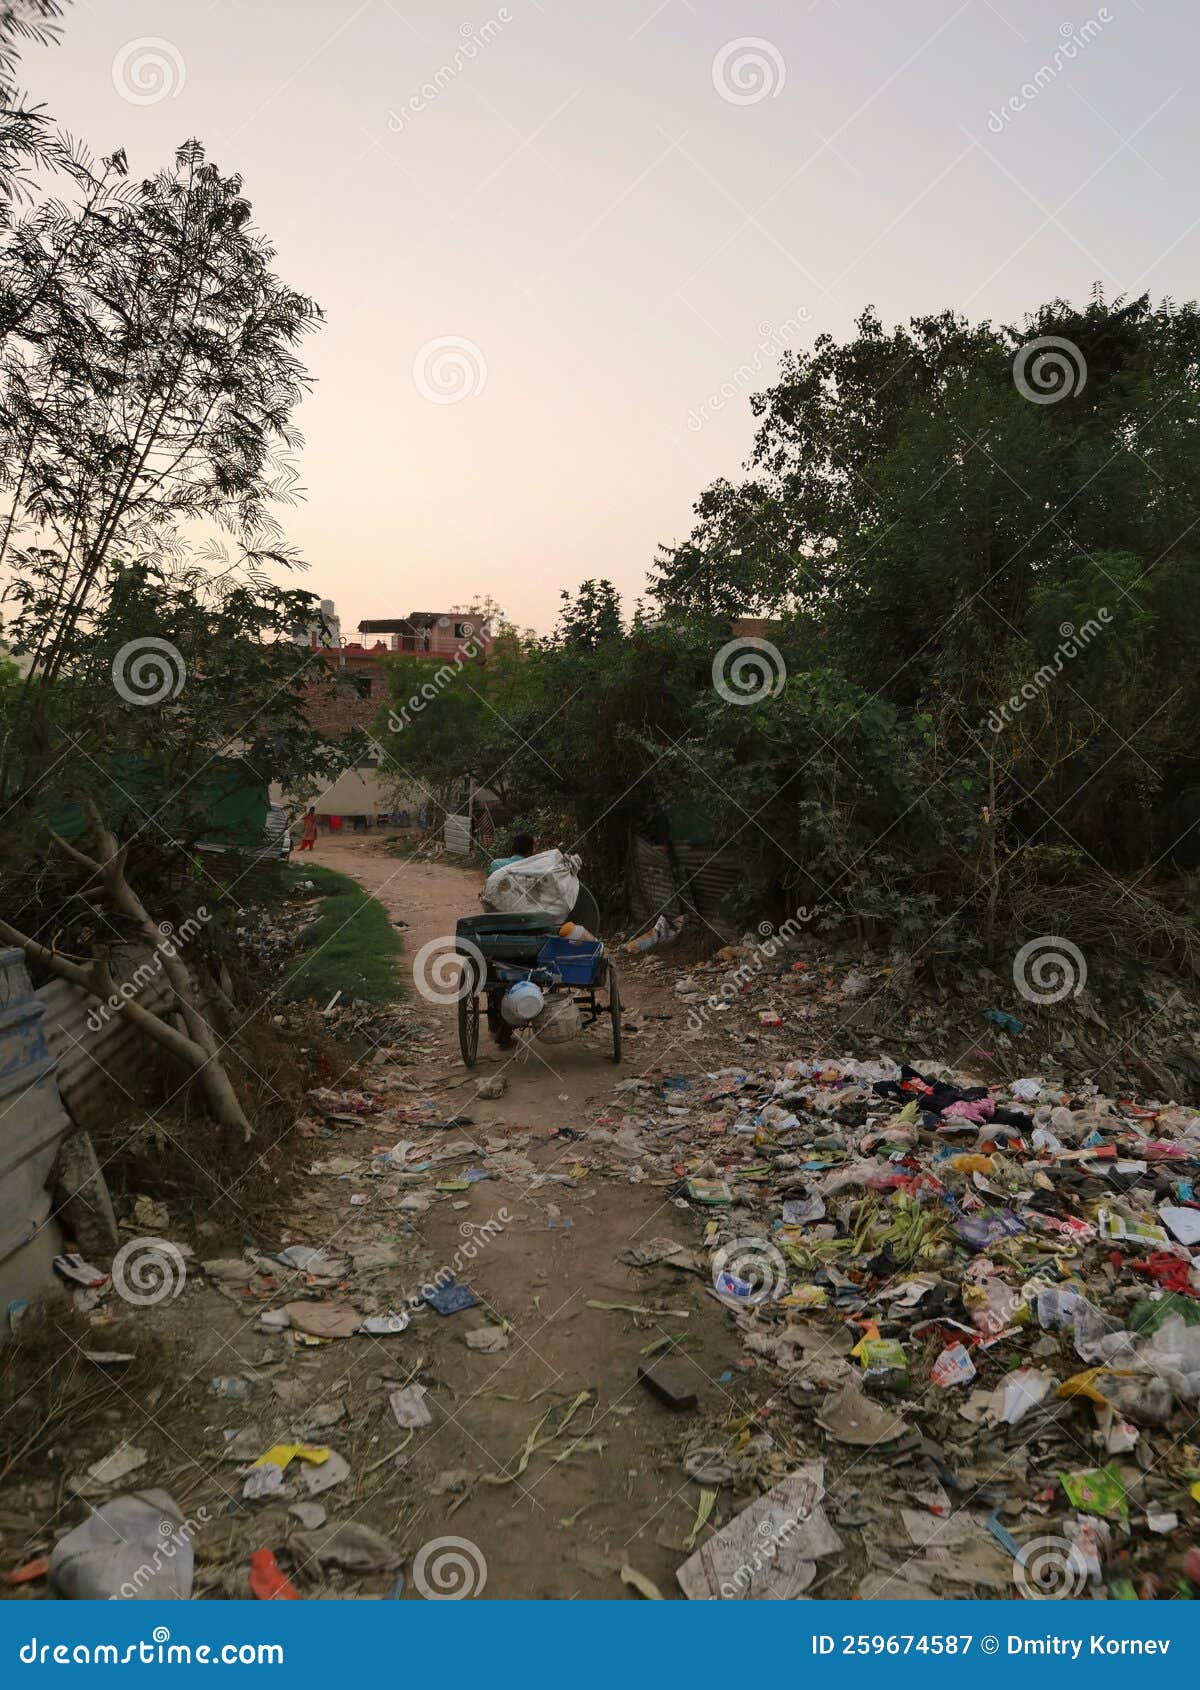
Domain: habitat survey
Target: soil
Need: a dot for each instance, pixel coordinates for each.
(564, 1525)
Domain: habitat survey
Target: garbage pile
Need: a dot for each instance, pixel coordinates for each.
(977, 1305)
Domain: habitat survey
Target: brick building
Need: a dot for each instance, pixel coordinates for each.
(362, 687)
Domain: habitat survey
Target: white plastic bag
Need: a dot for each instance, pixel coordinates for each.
(547, 884)
(136, 1548)
(559, 1021)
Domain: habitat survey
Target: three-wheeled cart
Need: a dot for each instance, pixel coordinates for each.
(498, 951)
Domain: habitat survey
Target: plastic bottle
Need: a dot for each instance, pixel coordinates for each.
(576, 932)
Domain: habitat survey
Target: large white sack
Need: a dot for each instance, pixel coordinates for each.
(547, 884)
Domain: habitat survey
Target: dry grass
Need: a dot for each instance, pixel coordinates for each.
(165, 1147)
(51, 1391)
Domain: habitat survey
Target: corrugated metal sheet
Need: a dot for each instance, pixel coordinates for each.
(690, 876)
(709, 879)
(95, 1049)
(457, 835)
(654, 883)
(32, 1125)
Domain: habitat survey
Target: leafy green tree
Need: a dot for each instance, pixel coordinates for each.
(948, 533)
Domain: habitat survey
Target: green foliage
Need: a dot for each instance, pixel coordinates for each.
(987, 612)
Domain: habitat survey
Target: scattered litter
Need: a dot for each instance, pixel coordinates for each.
(953, 1367)
(853, 1418)
(488, 1340)
(385, 1325)
(409, 1406)
(267, 1582)
(79, 1272)
(1098, 1492)
(123, 1461)
(231, 1386)
(770, 1549)
(323, 1320)
(334, 1471)
(351, 1545)
(310, 1514)
(450, 1298)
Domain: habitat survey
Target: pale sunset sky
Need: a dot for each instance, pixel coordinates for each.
(559, 243)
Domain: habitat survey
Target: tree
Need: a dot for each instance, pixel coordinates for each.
(950, 533)
(148, 378)
(160, 397)
(136, 738)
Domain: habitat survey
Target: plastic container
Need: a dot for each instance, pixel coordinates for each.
(522, 1004)
(575, 965)
(512, 938)
(560, 1021)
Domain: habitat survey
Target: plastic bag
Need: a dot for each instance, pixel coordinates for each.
(546, 884)
(1098, 1337)
(559, 1021)
(136, 1548)
(1173, 1353)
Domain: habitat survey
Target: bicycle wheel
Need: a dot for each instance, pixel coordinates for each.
(468, 1014)
(614, 1009)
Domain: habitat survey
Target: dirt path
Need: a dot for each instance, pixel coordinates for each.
(558, 1250)
(547, 1458)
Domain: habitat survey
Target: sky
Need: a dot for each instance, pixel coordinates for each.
(559, 243)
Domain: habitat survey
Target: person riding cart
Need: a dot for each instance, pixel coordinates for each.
(532, 959)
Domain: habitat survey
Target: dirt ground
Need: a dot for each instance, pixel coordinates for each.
(534, 1252)
(538, 1274)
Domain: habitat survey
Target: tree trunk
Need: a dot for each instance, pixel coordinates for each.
(197, 1046)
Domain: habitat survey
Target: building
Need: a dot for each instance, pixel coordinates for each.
(328, 631)
(362, 687)
(434, 633)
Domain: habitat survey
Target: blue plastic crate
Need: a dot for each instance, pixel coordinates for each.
(575, 965)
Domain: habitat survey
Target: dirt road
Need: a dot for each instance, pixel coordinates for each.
(558, 1250)
(547, 1458)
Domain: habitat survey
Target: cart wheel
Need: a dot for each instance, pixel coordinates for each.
(468, 1014)
(614, 1009)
